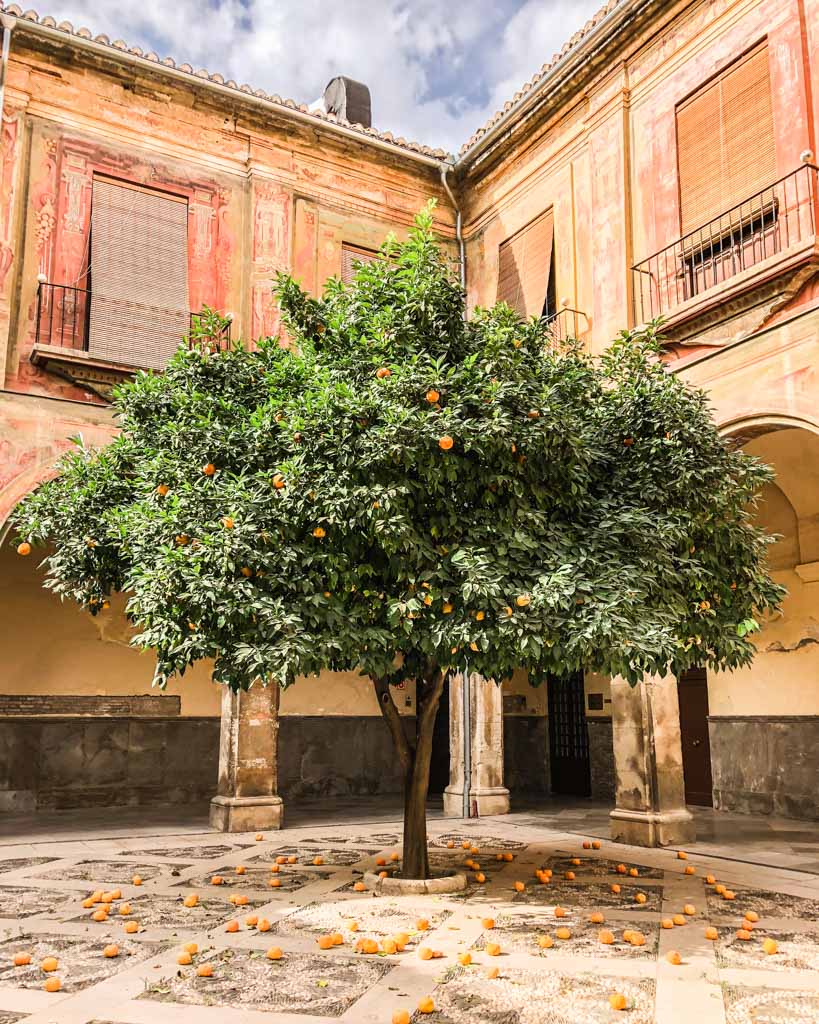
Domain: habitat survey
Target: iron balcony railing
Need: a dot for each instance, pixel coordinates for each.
(782, 215)
(64, 314)
(566, 323)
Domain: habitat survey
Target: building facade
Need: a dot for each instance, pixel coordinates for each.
(663, 164)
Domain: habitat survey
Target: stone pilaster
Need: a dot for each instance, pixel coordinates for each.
(487, 793)
(650, 794)
(247, 797)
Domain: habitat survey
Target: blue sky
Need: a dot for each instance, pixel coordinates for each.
(437, 69)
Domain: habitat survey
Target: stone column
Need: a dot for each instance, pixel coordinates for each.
(650, 794)
(246, 799)
(487, 794)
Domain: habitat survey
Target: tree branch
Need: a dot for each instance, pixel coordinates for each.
(393, 719)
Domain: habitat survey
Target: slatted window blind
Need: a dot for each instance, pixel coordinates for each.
(139, 274)
(524, 261)
(725, 141)
(352, 254)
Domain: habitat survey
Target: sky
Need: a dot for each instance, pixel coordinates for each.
(436, 69)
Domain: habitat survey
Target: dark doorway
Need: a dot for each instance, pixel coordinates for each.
(696, 747)
(439, 767)
(568, 736)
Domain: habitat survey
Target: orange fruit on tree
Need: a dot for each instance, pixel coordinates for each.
(205, 971)
(445, 442)
(617, 1001)
(278, 481)
(24, 548)
(383, 372)
(319, 532)
(53, 985)
(673, 957)
(22, 959)
(274, 953)
(523, 600)
(209, 469)
(432, 396)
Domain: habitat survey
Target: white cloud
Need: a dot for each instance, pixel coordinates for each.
(435, 71)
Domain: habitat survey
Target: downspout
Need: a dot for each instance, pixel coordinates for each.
(7, 24)
(445, 169)
(466, 695)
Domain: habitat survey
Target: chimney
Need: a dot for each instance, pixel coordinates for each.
(348, 100)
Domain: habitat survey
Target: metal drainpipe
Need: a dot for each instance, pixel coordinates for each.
(7, 24)
(466, 688)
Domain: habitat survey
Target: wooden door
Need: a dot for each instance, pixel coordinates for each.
(568, 736)
(696, 747)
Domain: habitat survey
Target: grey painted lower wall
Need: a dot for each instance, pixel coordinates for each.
(601, 757)
(337, 756)
(766, 765)
(526, 754)
(57, 763)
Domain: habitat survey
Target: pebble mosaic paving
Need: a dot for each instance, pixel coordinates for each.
(568, 980)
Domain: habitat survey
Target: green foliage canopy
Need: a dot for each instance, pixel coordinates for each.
(587, 514)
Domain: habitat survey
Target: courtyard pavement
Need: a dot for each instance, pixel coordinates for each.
(545, 975)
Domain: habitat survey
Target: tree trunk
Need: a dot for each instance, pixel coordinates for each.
(415, 763)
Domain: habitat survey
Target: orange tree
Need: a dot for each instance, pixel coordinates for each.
(404, 491)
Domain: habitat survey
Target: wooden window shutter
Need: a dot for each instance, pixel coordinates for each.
(524, 261)
(352, 254)
(139, 274)
(725, 141)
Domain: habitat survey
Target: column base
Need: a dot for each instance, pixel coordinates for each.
(246, 813)
(652, 828)
(485, 801)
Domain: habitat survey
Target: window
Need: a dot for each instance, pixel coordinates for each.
(139, 274)
(525, 268)
(725, 140)
(352, 254)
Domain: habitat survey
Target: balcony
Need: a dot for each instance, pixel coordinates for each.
(566, 323)
(743, 254)
(64, 341)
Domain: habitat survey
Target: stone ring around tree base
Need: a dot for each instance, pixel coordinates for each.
(445, 882)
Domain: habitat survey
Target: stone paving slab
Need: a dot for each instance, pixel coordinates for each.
(722, 982)
(300, 983)
(81, 961)
(745, 1005)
